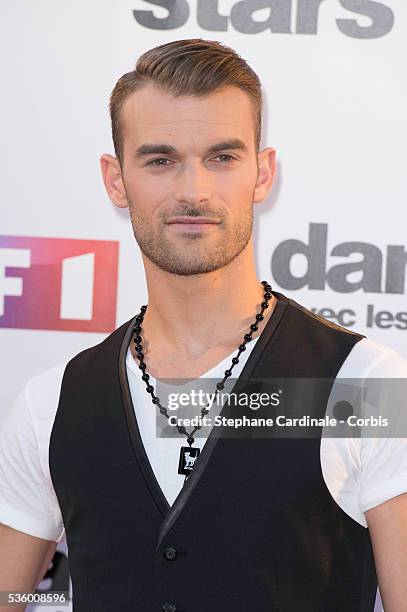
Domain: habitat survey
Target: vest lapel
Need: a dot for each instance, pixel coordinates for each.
(136, 440)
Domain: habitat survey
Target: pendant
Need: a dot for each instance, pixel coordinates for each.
(187, 457)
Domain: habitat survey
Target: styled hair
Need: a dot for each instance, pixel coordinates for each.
(192, 66)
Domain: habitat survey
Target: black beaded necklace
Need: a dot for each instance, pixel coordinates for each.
(188, 455)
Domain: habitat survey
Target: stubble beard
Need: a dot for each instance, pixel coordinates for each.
(193, 253)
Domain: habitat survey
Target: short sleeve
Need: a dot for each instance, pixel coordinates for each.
(27, 500)
(360, 471)
(383, 472)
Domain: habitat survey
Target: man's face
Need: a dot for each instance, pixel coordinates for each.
(190, 180)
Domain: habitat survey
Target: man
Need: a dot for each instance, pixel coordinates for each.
(259, 523)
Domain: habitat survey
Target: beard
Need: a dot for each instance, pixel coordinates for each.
(187, 253)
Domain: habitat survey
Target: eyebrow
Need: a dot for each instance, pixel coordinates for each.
(166, 149)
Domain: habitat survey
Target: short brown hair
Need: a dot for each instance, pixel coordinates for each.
(192, 66)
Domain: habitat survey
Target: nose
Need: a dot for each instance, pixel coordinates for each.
(193, 184)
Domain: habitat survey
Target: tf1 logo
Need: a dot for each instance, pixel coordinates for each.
(58, 283)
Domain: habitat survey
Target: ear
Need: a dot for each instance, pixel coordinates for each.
(112, 178)
(266, 173)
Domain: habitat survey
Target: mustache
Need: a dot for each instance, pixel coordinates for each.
(193, 212)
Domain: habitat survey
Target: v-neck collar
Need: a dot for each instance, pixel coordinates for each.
(169, 512)
(211, 373)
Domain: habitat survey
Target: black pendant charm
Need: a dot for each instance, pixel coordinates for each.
(187, 457)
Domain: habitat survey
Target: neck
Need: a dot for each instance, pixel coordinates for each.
(190, 316)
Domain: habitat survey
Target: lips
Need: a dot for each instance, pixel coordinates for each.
(193, 220)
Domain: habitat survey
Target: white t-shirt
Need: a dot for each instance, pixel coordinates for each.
(359, 473)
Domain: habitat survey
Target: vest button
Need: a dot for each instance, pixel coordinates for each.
(170, 553)
(169, 607)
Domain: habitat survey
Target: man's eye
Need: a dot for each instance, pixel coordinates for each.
(230, 157)
(159, 159)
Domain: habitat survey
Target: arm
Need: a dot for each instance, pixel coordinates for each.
(24, 559)
(387, 525)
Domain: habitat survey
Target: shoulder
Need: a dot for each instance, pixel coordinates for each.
(314, 333)
(315, 321)
(42, 389)
(102, 353)
(371, 359)
(38, 400)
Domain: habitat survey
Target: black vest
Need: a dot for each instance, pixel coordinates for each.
(254, 528)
